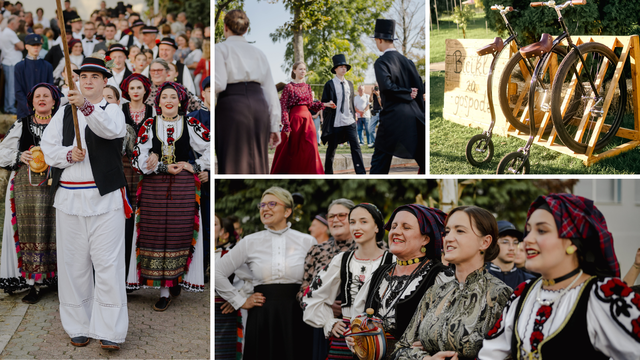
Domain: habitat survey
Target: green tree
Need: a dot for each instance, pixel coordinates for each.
(222, 7)
(197, 10)
(347, 22)
(462, 16)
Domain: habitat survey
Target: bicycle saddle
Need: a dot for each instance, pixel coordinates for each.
(495, 46)
(538, 49)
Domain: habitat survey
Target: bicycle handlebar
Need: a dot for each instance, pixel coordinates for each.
(502, 8)
(552, 4)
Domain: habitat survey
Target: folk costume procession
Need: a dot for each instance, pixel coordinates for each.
(107, 168)
(430, 295)
(253, 118)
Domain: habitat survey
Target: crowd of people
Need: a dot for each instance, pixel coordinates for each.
(109, 183)
(444, 286)
(253, 118)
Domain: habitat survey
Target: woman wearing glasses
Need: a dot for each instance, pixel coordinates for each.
(159, 73)
(276, 256)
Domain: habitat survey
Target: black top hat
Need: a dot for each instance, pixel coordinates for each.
(117, 47)
(506, 228)
(150, 30)
(385, 29)
(169, 41)
(339, 60)
(94, 65)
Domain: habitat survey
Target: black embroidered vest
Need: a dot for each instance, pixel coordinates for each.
(406, 307)
(346, 277)
(105, 157)
(180, 72)
(182, 145)
(27, 139)
(148, 114)
(571, 340)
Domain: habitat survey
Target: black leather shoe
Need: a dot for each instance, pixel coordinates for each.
(32, 297)
(162, 304)
(109, 345)
(79, 341)
(175, 290)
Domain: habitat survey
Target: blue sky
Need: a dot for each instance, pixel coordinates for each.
(265, 19)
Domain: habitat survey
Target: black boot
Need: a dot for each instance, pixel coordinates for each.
(32, 297)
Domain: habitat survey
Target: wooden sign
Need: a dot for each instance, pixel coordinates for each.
(465, 88)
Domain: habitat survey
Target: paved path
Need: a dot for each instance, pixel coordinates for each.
(181, 332)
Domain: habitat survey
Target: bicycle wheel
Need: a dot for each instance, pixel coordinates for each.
(581, 101)
(514, 163)
(479, 150)
(513, 88)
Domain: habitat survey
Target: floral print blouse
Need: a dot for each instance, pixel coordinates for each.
(455, 316)
(296, 94)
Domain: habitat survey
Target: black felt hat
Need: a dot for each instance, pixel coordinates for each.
(137, 23)
(339, 60)
(385, 29)
(169, 41)
(150, 30)
(94, 65)
(117, 47)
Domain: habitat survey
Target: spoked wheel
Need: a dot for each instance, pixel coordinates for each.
(479, 150)
(600, 63)
(514, 85)
(514, 163)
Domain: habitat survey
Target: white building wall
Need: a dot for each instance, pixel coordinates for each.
(84, 7)
(622, 212)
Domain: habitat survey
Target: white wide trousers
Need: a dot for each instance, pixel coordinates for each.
(85, 244)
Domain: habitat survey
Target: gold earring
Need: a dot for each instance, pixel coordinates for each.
(570, 250)
(481, 252)
(423, 249)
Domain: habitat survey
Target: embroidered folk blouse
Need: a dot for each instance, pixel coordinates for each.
(325, 288)
(274, 257)
(613, 320)
(296, 94)
(455, 317)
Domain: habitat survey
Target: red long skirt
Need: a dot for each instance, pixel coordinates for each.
(298, 152)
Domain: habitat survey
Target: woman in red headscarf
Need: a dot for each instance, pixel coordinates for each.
(135, 88)
(579, 308)
(30, 221)
(168, 221)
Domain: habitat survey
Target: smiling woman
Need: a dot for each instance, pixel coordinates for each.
(394, 290)
(276, 258)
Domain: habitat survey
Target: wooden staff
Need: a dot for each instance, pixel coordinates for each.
(70, 82)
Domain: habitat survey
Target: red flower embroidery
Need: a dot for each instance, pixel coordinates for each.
(615, 286)
(205, 135)
(636, 301)
(496, 327)
(192, 121)
(305, 291)
(135, 153)
(519, 289)
(148, 122)
(107, 58)
(144, 138)
(544, 312)
(636, 327)
(170, 131)
(536, 336)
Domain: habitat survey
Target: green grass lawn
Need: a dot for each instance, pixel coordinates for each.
(448, 141)
(475, 30)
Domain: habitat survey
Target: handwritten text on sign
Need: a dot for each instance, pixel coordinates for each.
(465, 89)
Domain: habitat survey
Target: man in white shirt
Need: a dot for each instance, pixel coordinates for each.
(89, 199)
(361, 102)
(167, 49)
(76, 28)
(11, 48)
(118, 54)
(88, 39)
(109, 38)
(149, 36)
(340, 122)
(135, 38)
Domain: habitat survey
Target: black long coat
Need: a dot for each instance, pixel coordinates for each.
(329, 114)
(402, 118)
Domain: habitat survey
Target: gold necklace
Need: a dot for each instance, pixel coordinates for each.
(410, 262)
(42, 117)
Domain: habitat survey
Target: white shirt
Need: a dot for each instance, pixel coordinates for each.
(45, 22)
(88, 45)
(107, 124)
(362, 104)
(274, 257)
(187, 80)
(8, 41)
(346, 118)
(318, 312)
(238, 61)
(9, 145)
(125, 41)
(77, 35)
(117, 77)
(608, 332)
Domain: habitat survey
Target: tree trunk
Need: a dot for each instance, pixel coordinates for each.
(448, 189)
(298, 40)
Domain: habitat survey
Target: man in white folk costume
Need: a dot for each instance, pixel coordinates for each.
(90, 211)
